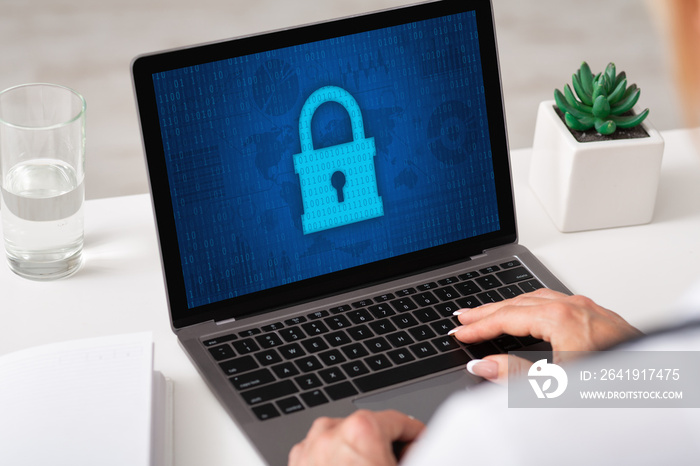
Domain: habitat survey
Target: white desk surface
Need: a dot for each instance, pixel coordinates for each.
(637, 271)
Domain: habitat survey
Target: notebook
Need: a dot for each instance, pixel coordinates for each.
(325, 198)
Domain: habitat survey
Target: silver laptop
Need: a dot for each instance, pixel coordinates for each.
(325, 198)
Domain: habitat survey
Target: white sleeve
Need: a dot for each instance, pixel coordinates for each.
(478, 428)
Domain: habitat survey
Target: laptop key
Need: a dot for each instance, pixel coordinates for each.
(246, 346)
(272, 327)
(337, 338)
(265, 412)
(530, 285)
(399, 339)
(467, 288)
(332, 357)
(360, 332)
(468, 275)
(445, 343)
(252, 379)
(284, 370)
(382, 327)
(448, 281)
(516, 274)
(250, 332)
(469, 302)
(269, 392)
(355, 368)
(318, 315)
(236, 366)
(426, 315)
(441, 327)
(423, 350)
(510, 291)
(507, 343)
(340, 390)
(427, 286)
(290, 405)
(401, 356)
(219, 340)
(268, 340)
(314, 398)
(337, 322)
(295, 320)
(483, 349)
(487, 282)
(378, 362)
(404, 304)
(314, 328)
(378, 345)
(405, 292)
(360, 316)
(292, 334)
(308, 381)
(332, 375)
(404, 320)
(384, 297)
(354, 351)
(510, 264)
(426, 299)
(491, 296)
(308, 364)
(340, 309)
(381, 310)
(268, 357)
(447, 293)
(291, 351)
(421, 333)
(314, 345)
(420, 368)
(446, 309)
(222, 352)
(362, 303)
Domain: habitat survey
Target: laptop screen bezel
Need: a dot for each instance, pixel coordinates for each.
(143, 69)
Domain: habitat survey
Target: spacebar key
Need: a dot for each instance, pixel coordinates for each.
(411, 371)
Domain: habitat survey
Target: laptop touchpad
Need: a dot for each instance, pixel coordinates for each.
(419, 399)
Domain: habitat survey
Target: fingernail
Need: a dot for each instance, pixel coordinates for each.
(483, 368)
(458, 312)
(454, 330)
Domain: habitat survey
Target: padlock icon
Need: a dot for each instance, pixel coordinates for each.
(338, 183)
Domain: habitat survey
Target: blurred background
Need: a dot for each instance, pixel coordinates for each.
(89, 45)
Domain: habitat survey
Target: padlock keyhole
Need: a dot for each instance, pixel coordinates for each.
(338, 182)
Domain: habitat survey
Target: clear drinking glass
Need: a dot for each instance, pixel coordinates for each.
(42, 169)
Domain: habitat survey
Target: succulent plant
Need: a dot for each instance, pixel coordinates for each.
(602, 101)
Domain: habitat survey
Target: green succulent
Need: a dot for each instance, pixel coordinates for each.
(602, 101)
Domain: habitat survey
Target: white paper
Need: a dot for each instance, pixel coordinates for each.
(83, 402)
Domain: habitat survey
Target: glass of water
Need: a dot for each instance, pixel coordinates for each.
(42, 169)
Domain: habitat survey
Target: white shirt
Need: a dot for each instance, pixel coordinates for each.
(477, 428)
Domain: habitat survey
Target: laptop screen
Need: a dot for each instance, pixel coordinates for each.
(328, 155)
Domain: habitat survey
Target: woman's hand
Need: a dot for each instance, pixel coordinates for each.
(365, 438)
(568, 323)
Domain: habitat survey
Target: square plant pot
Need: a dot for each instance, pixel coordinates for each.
(592, 185)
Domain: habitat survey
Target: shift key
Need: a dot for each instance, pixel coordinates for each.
(269, 392)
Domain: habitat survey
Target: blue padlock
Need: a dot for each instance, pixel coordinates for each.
(338, 183)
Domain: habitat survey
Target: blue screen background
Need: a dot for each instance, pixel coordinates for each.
(230, 130)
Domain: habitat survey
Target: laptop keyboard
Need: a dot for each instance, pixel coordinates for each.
(305, 361)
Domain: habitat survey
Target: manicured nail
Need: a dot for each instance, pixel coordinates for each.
(454, 330)
(483, 368)
(458, 312)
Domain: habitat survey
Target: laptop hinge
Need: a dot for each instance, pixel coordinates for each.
(226, 321)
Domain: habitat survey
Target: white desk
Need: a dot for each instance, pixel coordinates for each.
(637, 271)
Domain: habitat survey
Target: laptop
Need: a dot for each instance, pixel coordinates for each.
(325, 198)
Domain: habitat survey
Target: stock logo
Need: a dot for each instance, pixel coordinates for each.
(545, 372)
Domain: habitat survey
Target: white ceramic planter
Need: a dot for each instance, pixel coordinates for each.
(591, 185)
